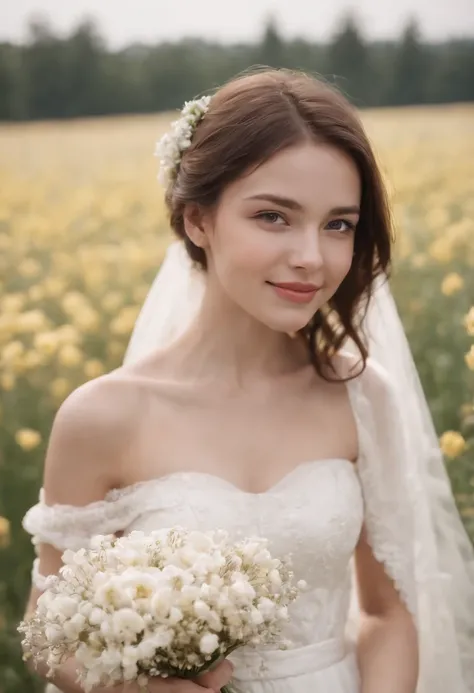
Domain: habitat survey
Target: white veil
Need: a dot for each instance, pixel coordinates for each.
(443, 547)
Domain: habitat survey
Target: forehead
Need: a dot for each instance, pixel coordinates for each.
(308, 173)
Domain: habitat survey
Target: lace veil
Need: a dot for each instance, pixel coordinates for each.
(443, 556)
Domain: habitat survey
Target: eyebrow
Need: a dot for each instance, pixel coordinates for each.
(293, 204)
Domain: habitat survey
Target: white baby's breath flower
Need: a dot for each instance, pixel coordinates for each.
(97, 616)
(201, 609)
(86, 609)
(111, 659)
(275, 578)
(242, 590)
(75, 626)
(201, 543)
(177, 576)
(256, 616)
(64, 606)
(250, 549)
(159, 604)
(175, 616)
(263, 558)
(209, 643)
(266, 608)
(127, 623)
(54, 634)
(214, 621)
(112, 595)
(173, 144)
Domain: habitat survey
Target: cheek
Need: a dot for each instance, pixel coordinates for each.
(240, 246)
(338, 260)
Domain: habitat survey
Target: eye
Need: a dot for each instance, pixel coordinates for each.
(273, 218)
(341, 225)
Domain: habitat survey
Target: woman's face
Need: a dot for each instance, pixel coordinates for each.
(282, 238)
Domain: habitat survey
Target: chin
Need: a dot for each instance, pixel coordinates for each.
(290, 327)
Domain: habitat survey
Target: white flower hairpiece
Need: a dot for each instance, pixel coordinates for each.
(170, 148)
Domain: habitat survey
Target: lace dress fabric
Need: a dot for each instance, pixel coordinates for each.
(316, 513)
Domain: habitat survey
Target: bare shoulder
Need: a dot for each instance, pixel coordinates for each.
(90, 439)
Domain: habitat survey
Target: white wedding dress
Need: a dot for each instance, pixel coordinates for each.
(398, 489)
(315, 513)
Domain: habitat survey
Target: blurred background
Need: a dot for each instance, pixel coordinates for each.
(87, 88)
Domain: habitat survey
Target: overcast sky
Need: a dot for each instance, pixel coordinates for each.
(124, 21)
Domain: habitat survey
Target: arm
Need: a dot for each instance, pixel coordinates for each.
(388, 649)
(89, 445)
(387, 646)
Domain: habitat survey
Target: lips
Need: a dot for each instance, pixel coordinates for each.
(296, 292)
(297, 286)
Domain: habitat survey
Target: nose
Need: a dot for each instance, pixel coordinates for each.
(307, 252)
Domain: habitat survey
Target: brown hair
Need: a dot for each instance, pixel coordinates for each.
(250, 119)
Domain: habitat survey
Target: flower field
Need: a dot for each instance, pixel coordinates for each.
(82, 232)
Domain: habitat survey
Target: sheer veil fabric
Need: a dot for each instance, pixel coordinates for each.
(411, 516)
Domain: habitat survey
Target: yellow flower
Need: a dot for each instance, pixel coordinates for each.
(54, 286)
(112, 301)
(68, 334)
(28, 439)
(86, 319)
(32, 321)
(466, 410)
(13, 303)
(12, 353)
(140, 293)
(47, 343)
(7, 381)
(93, 368)
(73, 301)
(5, 241)
(125, 320)
(438, 217)
(115, 349)
(469, 322)
(29, 268)
(452, 444)
(419, 260)
(8, 322)
(60, 387)
(4, 532)
(33, 359)
(441, 250)
(70, 356)
(452, 283)
(469, 358)
(36, 293)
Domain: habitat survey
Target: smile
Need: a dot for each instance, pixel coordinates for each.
(295, 293)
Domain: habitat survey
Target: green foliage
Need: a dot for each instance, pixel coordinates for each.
(52, 77)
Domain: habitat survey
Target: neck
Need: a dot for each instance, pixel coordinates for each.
(227, 345)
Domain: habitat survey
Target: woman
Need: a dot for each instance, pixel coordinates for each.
(249, 400)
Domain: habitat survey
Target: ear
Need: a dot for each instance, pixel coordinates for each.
(197, 225)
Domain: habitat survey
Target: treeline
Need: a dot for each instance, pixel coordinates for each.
(56, 77)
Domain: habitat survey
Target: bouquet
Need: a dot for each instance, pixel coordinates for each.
(170, 603)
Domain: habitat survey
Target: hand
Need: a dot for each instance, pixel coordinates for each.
(210, 682)
(217, 678)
